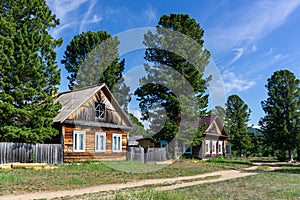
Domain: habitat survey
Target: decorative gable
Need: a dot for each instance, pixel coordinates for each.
(94, 106)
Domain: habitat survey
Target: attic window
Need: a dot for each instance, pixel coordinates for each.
(213, 128)
(100, 110)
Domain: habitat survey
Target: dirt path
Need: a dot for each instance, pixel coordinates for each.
(224, 175)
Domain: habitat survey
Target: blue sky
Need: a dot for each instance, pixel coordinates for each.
(248, 40)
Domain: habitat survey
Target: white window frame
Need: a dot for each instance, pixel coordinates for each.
(220, 147)
(98, 141)
(214, 147)
(116, 140)
(207, 147)
(76, 141)
(101, 112)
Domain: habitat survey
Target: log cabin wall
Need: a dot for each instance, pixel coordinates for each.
(87, 111)
(90, 154)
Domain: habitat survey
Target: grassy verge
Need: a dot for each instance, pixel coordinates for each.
(231, 161)
(90, 174)
(279, 184)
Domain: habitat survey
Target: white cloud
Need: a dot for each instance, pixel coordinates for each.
(238, 54)
(279, 57)
(254, 48)
(276, 56)
(252, 23)
(85, 19)
(235, 82)
(56, 32)
(150, 15)
(63, 9)
(270, 52)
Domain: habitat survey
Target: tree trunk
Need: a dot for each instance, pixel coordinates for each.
(272, 151)
(298, 154)
(291, 159)
(240, 152)
(176, 149)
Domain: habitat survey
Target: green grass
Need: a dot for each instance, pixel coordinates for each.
(72, 176)
(279, 184)
(228, 160)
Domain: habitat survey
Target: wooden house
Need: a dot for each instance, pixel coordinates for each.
(92, 125)
(215, 141)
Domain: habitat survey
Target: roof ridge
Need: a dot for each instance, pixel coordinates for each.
(79, 89)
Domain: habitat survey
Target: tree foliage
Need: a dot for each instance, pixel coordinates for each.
(174, 63)
(29, 74)
(282, 107)
(92, 58)
(237, 117)
(138, 128)
(220, 112)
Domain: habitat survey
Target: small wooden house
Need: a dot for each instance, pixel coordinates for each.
(215, 140)
(92, 125)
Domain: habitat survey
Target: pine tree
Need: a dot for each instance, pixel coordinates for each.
(29, 72)
(92, 58)
(237, 116)
(169, 74)
(282, 107)
(220, 112)
(138, 128)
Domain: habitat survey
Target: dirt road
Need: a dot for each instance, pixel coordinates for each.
(223, 175)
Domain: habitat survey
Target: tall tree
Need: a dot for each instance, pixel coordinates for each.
(92, 58)
(138, 128)
(282, 107)
(173, 62)
(237, 117)
(220, 112)
(29, 73)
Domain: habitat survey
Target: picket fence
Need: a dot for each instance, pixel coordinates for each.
(25, 152)
(146, 155)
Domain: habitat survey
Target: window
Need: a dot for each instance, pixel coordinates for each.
(116, 142)
(214, 147)
(79, 141)
(207, 146)
(228, 149)
(100, 142)
(184, 149)
(220, 147)
(213, 128)
(100, 110)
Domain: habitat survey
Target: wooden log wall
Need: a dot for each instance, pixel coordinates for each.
(24, 152)
(87, 111)
(90, 154)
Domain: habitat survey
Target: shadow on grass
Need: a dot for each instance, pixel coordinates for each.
(294, 170)
(251, 171)
(264, 161)
(289, 165)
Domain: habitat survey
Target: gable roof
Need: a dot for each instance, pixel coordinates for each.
(208, 120)
(73, 100)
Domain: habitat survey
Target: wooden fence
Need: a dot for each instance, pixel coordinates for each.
(146, 155)
(23, 152)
